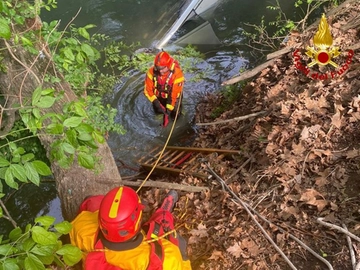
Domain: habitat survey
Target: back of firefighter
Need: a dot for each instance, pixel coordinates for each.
(108, 230)
(164, 84)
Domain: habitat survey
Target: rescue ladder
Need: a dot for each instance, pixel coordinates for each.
(176, 160)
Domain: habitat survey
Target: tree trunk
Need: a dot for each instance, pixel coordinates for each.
(24, 73)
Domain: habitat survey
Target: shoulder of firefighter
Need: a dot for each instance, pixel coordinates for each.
(170, 84)
(84, 235)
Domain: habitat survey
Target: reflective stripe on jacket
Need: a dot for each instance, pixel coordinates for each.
(157, 85)
(84, 235)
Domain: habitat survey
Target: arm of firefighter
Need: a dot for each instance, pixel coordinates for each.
(149, 86)
(176, 91)
(91, 203)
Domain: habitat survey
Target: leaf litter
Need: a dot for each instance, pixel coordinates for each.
(299, 162)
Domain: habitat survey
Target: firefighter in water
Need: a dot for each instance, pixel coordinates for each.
(163, 85)
(109, 231)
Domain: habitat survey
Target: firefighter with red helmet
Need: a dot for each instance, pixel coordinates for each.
(163, 85)
(109, 231)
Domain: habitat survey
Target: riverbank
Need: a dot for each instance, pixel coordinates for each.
(299, 162)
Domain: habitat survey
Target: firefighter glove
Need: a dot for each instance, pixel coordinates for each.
(158, 107)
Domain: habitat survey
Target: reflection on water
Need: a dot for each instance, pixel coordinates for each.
(30, 201)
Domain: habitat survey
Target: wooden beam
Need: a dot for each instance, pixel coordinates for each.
(204, 150)
(165, 185)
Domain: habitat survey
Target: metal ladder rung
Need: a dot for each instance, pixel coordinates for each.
(178, 156)
(171, 154)
(149, 155)
(190, 161)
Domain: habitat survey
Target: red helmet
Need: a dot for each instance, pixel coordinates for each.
(120, 214)
(163, 59)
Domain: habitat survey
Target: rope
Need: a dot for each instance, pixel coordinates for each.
(163, 149)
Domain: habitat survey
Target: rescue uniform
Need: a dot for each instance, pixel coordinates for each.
(132, 255)
(166, 88)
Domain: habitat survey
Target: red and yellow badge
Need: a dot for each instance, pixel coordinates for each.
(323, 52)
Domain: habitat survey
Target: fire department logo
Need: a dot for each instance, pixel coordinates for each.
(322, 53)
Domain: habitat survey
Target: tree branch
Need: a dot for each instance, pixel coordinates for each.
(225, 187)
(351, 250)
(231, 120)
(338, 228)
(7, 216)
(245, 206)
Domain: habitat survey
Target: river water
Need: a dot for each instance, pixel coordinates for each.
(143, 21)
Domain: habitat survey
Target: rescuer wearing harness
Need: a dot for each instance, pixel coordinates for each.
(109, 232)
(163, 85)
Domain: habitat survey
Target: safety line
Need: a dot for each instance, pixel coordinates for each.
(166, 143)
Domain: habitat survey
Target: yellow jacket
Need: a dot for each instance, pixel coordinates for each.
(84, 233)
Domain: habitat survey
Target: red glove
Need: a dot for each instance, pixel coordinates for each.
(165, 120)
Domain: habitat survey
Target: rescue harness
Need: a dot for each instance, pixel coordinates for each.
(164, 90)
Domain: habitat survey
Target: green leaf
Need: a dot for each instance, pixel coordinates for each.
(84, 33)
(32, 174)
(86, 160)
(45, 102)
(85, 128)
(47, 91)
(73, 121)
(26, 41)
(88, 50)
(42, 236)
(79, 109)
(10, 264)
(19, 150)
(79, 58)
(33, 263)
(28, 244)
(98, 136)
(41, 167)
(55, 129)
(68, 148)
(90, 26)
(69, 54)
(9, 179)
(70, 253)
(36, 113)
(84, 137)
(27, 157)
(71, 136)
(36, 96)
(66, 162)
(5, 31)
(7, 250)
(43, 250)
(19, 172)
(63, 227)
(46, 259)
(15, 234)
(45, 220)
(4, 162)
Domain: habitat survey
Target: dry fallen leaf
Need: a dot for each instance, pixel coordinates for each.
(235, 250)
